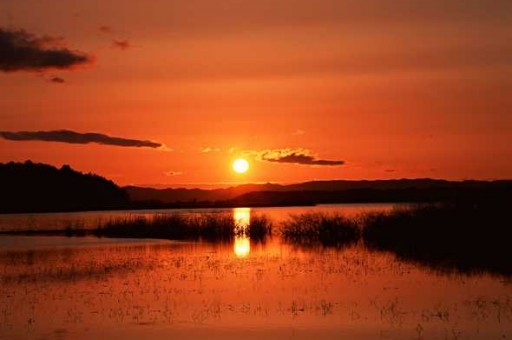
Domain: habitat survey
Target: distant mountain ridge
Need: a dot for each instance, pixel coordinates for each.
(172, 195)
(357, 188)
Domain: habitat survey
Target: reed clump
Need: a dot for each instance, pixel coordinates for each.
(320, 229)
(212, 227)
(467, 237)
(258, 229)
(209, 227)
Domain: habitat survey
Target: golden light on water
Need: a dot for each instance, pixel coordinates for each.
(242, 246)
(242, 218)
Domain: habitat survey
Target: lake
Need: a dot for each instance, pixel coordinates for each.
(87, 287)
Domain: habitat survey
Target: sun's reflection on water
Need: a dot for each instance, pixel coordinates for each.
(242, 218)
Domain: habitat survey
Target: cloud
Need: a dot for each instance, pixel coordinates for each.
(209, 149)
(105, 29)
(121, 44)
(57, 80)
(23, 51)
(173, 173)
(72, 137)
(298, 156)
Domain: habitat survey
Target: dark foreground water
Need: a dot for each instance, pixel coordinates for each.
(58, 287)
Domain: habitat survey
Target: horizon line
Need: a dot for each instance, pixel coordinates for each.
(227, 185)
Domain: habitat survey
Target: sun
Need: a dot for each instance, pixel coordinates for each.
(240, 165)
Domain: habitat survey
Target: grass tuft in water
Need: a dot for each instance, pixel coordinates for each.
(320, 228)
(215, 227)
(467, 237)
(211, 227)
(259, 228)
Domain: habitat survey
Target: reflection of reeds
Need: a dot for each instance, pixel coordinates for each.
(318, 228)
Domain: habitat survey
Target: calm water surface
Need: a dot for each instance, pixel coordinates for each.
(58, 287)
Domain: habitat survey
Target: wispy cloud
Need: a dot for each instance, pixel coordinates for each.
(209, 149)
(292, 156)
(72, 137)
(23, 51)
(105, 29)
(57, 80)
(121, 44)
(173, 173)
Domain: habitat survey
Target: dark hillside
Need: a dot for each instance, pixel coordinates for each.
(33, 187)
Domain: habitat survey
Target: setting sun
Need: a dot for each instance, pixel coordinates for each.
(240, 165)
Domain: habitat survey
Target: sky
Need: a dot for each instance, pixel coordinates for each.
(170, 92)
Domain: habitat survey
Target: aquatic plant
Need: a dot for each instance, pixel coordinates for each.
(209, 227)
(213, 227)
(259, 227)
(467, 237)
(320, 229)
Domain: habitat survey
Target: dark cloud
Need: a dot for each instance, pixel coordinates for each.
(67, 136)
(300, 156)
(303, 159)
(173, 173)
(57, 80)
(105, 29)
(121, 44)
(23, 51)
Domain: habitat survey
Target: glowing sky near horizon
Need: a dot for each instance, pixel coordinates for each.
(303, 89)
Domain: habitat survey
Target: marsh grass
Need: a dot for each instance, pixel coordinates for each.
(214, 227)
(465, 237)
(330, 230)
(211, 227)
(259, 228)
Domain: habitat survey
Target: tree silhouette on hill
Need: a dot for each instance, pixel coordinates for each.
(39, 187)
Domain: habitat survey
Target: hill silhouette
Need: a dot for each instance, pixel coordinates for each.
(317, 192)
(35, 187)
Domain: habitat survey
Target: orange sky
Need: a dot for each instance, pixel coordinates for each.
(394, 88)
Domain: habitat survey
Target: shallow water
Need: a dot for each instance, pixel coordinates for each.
(90, 219)
(157, 289)
(59, 287)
